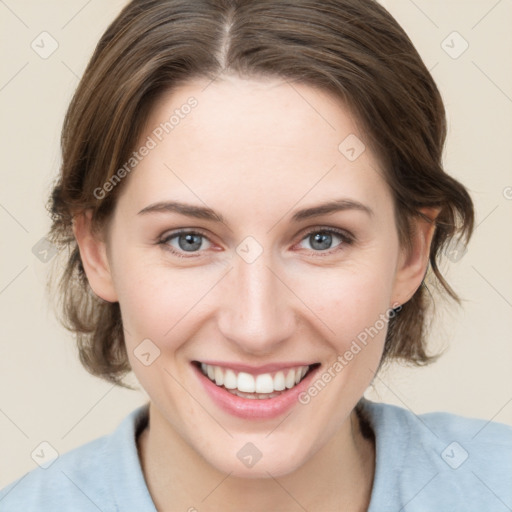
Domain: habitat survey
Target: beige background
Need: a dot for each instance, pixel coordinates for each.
(45, 395)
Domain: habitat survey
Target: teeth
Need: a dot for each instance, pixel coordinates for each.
(264, 385)
(253, 396)
(279, 384)
(289, 380)
(246, 383)
(230, 380)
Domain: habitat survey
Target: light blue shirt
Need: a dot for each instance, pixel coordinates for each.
(434, 462)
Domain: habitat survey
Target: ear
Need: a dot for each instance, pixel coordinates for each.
(412, 266)
(93, 252)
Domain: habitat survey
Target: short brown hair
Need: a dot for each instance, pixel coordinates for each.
(352, 48)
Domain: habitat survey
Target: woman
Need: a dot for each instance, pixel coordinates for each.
(252, 194)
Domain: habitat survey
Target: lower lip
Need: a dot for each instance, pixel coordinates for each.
(256, 408)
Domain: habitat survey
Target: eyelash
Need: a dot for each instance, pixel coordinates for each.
(346, 239)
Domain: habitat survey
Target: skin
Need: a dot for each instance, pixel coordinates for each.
(254, 151)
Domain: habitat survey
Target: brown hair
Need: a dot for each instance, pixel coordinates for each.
(352, 48)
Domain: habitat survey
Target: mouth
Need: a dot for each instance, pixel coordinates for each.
(256, 386)
(251, 393)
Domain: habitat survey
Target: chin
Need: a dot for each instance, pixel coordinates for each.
(247, 456)
(266, 467)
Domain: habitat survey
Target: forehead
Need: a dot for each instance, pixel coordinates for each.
(269, 138)
(240, 114)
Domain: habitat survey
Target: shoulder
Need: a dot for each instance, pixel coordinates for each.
(436, 425)
(71, 478)
(440, 459)
(89, 477)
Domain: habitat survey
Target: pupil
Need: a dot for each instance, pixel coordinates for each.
(321, 239)
(190, 244)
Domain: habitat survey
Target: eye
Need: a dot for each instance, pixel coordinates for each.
(321, 239)
(186, 242)
(192, 242)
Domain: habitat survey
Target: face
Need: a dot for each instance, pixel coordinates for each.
(246, 281)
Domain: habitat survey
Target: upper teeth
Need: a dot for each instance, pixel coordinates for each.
(263, 383)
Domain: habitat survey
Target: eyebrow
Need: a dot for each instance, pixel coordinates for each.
(205, 213)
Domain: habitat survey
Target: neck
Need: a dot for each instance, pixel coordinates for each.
(339, 476)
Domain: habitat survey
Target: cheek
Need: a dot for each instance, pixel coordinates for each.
(353, 305)
(160, 302)
(349, 300)
(152, 298)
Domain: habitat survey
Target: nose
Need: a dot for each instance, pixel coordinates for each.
(257, 312)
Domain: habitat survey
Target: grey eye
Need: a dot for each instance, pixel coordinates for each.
(187, 242)
(322, 240)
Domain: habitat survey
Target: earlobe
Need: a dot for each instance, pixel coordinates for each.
(94, 257)
(413, 265)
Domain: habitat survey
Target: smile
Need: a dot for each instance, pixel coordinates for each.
(246, 385)
(251, 393)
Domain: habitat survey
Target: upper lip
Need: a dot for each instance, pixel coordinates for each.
(253, 369)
